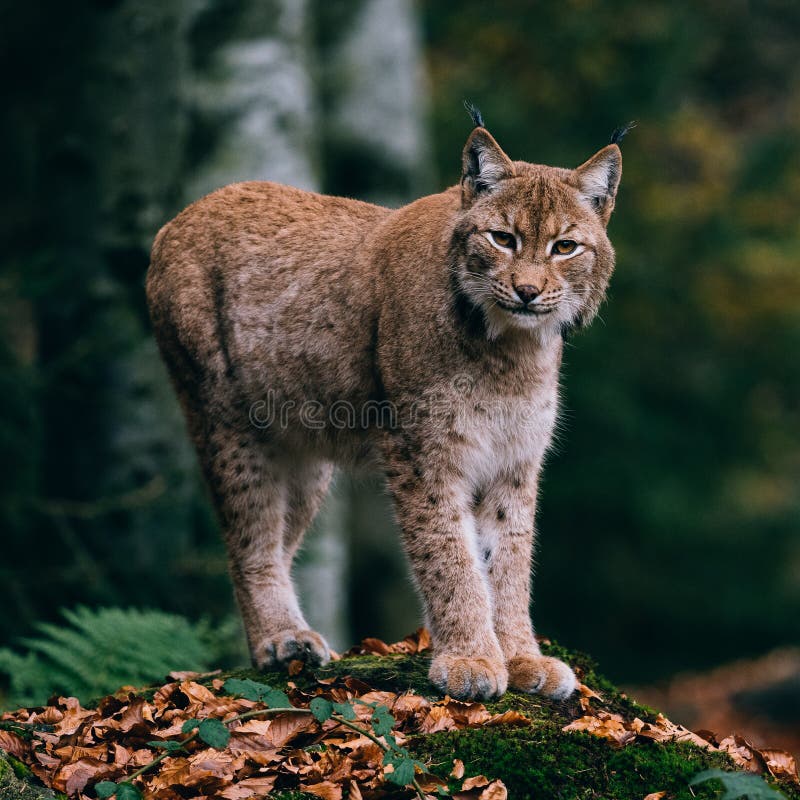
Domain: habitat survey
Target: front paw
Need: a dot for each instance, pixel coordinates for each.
(291, 645)
(537, 674)
(468, 678)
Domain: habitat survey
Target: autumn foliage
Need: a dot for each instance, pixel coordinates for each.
(201, 736)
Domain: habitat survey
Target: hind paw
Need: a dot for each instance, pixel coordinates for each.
(543, 675)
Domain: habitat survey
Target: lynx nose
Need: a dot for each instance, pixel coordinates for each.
(527, 292)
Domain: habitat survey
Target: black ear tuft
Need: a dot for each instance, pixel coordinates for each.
(475, 114)
(620, 133)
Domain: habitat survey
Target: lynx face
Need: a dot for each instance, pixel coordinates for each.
(530, 249)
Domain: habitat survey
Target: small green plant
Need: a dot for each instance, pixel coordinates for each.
(739, 785)
(216, 734)
(101, 650)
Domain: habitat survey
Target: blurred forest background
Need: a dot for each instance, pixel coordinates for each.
(670, 508)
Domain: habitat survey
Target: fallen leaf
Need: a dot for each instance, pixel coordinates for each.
(587, 694)
(741, 753)
(13, 744)
(496, 790)
(510, 717)
(73, 716)
(438, 719)
(655, 796)
(458, 769)
(354, 793)
(476, 781)
(780, 763)
(325, 789)
(605, 725)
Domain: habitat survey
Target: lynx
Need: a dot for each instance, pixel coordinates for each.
(303, 331)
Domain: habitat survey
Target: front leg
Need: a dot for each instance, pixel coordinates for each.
(438, 531)
(505, 520)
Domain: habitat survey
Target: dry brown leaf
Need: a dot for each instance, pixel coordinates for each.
(458, 769)
(173, 772)
(192, 676)
(780, 763)
(70, 753)
(138, 711)
(46, 760)
(410, 705)
(708, 736)
(13, 744)
(466, 713)
(510, 717)
(475, 782)
(496, 790)
(375, 647)
(49, 716)
(480, 788)
(198, 693)
(437, 719)
(354, 792)
(417, 642)
(72, 778)
(296, 667)
(587, 694)
(607, 726)
(325, 789)
(431, 783)
(655, 796)
(73, 716)
(740, 753)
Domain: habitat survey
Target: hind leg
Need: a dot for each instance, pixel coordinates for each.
(257, 499)
(308, 486)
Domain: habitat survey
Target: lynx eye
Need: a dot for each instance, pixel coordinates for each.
(504, 239)
(563, 247)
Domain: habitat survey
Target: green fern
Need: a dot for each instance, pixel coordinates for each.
(101, 650)
(739, 785)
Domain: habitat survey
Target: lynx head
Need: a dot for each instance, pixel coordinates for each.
(530, 248)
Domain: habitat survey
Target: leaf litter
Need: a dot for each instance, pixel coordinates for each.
(74, 750)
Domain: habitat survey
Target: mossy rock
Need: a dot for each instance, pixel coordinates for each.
(539, 761)
(17, 782)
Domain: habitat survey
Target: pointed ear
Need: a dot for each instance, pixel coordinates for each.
(598, 180)
(484, 165)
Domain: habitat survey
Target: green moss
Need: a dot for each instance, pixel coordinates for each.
(15, 787)
(392, 673)
(20, 769)
(543, 762)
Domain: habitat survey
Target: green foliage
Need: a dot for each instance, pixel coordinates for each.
(382, 721)
(345, 711)
(258, 692)
(738, 785)
(214, 733)
(101, 650)
(127, 791)
(404, 767)
(170, 745)
(321, 709)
